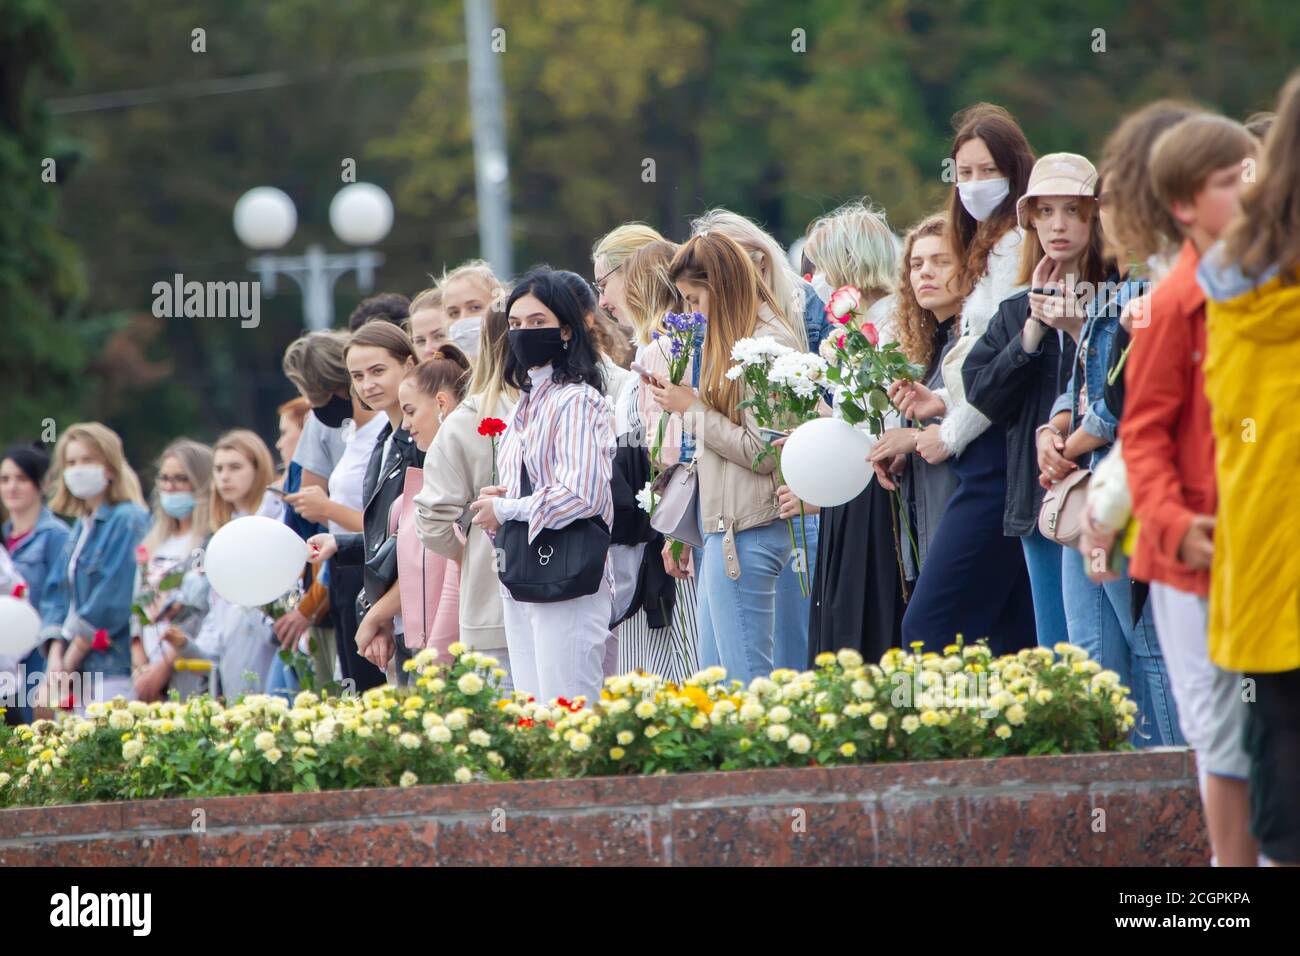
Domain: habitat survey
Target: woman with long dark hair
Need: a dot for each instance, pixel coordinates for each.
(562, 433)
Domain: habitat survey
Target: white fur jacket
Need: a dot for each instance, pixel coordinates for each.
(962, 423)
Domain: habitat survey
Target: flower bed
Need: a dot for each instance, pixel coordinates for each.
(453, 725)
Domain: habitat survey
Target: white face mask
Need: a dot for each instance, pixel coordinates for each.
(85, 481)
(982, 196)
(464, 333)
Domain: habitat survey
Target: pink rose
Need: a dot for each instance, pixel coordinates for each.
(843, 302)
(141, 554)
(870, 332)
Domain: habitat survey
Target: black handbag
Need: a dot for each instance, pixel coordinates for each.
(558, 564)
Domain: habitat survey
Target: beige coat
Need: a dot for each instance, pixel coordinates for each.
(733, 497)
(457, 466)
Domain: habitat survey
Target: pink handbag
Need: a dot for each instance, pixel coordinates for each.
(427, 582)
(1061, 517)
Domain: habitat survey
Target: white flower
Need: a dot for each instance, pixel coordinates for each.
(273, 755)
(579, 742)
(843, 300)
(799, 743)
(480, 738)
(439, 734)
(264, 741)
(800, 372)
(778, 732)
(130, 750)
(910, 723)
(735, 372)
(758, 351)
(751, 711)
(878, 721)
(236, 756)
(408, 779)
(470, 684)
(456, 720)
(1015, 715)
(779, 714)
(463, 775)
(409, 740)
(121, 720)
(1002, 731)
(625, 737)
(4, 779)
(645, 498)
(645, 709)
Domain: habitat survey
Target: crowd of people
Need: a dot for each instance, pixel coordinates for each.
(1097, 341)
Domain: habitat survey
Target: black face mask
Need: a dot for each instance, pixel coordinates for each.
(534, 347)
(334, 412)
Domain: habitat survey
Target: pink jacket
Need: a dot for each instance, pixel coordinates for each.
(429, 584)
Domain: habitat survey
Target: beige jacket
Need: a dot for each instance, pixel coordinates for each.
(733, 497)
(457, 466)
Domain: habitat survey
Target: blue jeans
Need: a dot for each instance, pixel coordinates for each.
(1100, 619)
(736, 619)
(1043, 559)
(792, 605)
(281, 680)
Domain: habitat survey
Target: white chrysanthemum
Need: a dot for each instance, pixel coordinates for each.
(463, 775)
(273, 755)
(625, 737)
(778, 732)
(1043, 696)
(645, 498)
(480, 738)
(323, 733)
(751, 711)
(1015, 715)
(264, 741)
(799, 743)
(620, 706)
(121, 720)
(408, 779)
(828, 721)
(439, 734)
(878, 721)
(469, 684)
(130, 750)
(848, 658)
(910, 723)
(645, 709)
(409, 740)
(579, 742)
(456, 720)
(779, 714)
(1002, 731)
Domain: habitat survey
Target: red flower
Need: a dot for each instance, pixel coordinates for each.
(807, 277)
(525, 722)
(870, 332)
(101, 641)
(68, 702)
(141, 554)
(562, 701)
(491, 427)
(20, 590)
(839, 343)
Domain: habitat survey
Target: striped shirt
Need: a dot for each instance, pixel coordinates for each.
(565, 436)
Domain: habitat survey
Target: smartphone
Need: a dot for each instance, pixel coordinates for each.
(646, 375)
(276, 491)
(1052, 291)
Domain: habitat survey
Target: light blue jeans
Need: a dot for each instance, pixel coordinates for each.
(281, 680)
(1100, 620)
(737, 619)
(1043, 560)
(792, 605)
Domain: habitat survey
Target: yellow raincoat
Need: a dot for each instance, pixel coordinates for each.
(1252, 379)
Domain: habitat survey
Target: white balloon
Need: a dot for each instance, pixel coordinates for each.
(20, 627)
(253, 560)
(825, 462)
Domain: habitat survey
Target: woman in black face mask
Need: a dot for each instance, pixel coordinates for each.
(562, 432)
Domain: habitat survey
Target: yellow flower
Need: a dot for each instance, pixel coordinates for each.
(456, 649)
(848, 749)
(652, 731)
(1043, 696)
(1003, 731)
(699, 698)
(929, 718)
(645, 709)
(824, 659)
(1015, 715)
(849, 658)
(579, 742)
(463, 775)
(699, 721)
(625, 737)
(408, 779)
(910, 723)
(616, 753)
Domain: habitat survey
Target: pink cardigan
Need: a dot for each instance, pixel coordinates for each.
(429, 584)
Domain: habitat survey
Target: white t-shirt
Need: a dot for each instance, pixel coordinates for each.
(349, 475)
(169, 554)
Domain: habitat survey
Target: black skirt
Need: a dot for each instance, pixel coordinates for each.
(857, 592)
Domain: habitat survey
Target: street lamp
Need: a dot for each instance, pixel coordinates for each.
(361, 214)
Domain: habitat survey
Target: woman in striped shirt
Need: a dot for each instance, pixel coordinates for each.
(562, 431)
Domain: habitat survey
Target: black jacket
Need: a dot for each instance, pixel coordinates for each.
(1016, 389)
(381, 487)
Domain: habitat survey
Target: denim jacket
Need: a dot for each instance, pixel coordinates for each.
(1094, 347)
(39, 551)
(814, 317)
(101, 594)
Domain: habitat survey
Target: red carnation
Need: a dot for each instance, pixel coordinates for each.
(101, 641)
(20, 590)
(525, 722)
(491, 427)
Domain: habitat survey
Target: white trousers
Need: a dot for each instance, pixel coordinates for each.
(1211, 711)
(560, 649)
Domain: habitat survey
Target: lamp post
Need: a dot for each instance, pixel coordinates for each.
(361, 214)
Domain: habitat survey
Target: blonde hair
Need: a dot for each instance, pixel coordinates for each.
(314, 364)
(621, 243)
(784, 285)
(487, 379)
(196, 459)
(428, 299)
(648, 290)
(717, 262)
(854, 246)
(251, 446)
(480, 272)
(123, 484)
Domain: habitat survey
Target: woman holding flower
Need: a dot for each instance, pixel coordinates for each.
(746, 545)
(857, 599)
(171, 592)
(461, 459)
(86, 604)
(562, 433)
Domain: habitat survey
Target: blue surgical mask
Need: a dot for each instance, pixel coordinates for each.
(178, 504)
